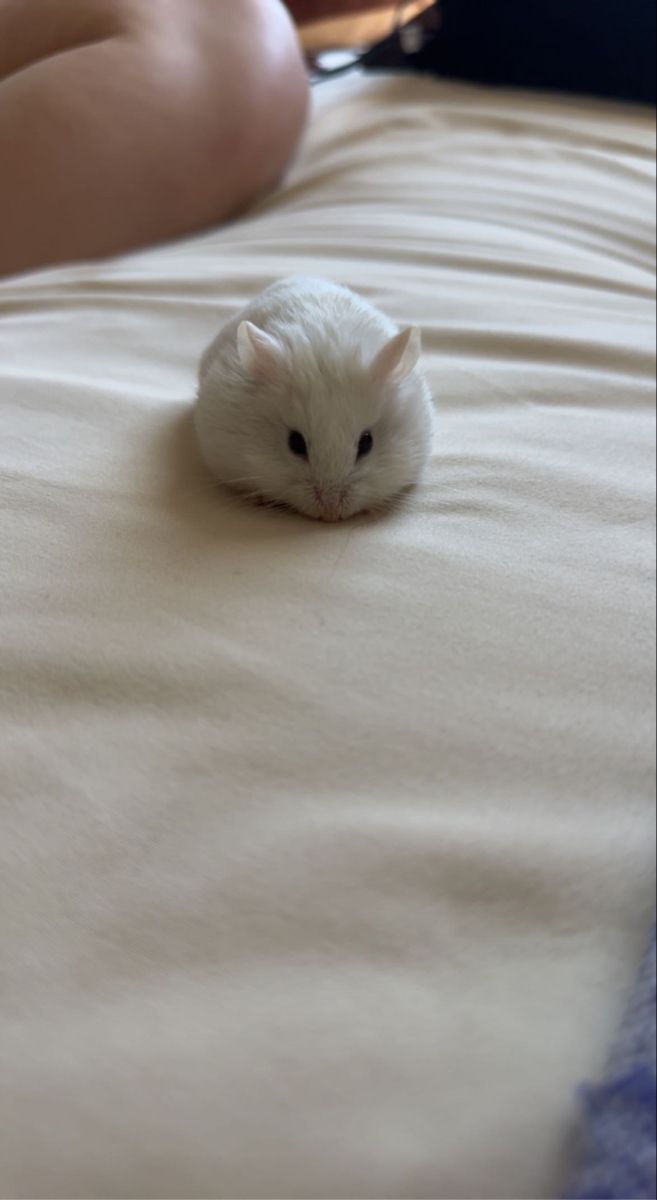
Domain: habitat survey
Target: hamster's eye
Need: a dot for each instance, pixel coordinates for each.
(297, 444)
(365, 445)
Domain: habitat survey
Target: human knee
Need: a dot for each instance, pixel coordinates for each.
(256, 73)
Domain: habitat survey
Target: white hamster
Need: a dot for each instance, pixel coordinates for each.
(312, 398)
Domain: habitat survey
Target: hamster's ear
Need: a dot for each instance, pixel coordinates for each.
(398, 357)
(259, 353)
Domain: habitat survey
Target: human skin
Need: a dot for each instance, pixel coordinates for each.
(129, 122)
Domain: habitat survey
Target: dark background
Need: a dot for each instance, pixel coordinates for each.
(600, 47)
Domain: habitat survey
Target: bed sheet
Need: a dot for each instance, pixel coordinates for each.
(327, 853)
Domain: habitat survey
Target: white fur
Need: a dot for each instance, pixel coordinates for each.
(309, 356)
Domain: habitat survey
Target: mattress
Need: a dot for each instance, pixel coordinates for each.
(327, 852)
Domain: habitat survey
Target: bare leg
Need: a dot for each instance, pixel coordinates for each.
(125, 122)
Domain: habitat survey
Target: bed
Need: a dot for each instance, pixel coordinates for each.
(327, 852)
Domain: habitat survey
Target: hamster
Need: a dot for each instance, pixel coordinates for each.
(311, 398)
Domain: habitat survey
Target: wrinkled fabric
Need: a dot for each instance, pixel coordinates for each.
(326, 853)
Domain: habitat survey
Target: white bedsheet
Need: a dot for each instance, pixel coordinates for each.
(326, 852)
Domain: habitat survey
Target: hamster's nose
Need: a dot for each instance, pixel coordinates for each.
(331, 504)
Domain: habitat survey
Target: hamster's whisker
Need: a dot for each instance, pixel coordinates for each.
(200, 485)
(242, 479)
(247, 497)
(263, 501)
